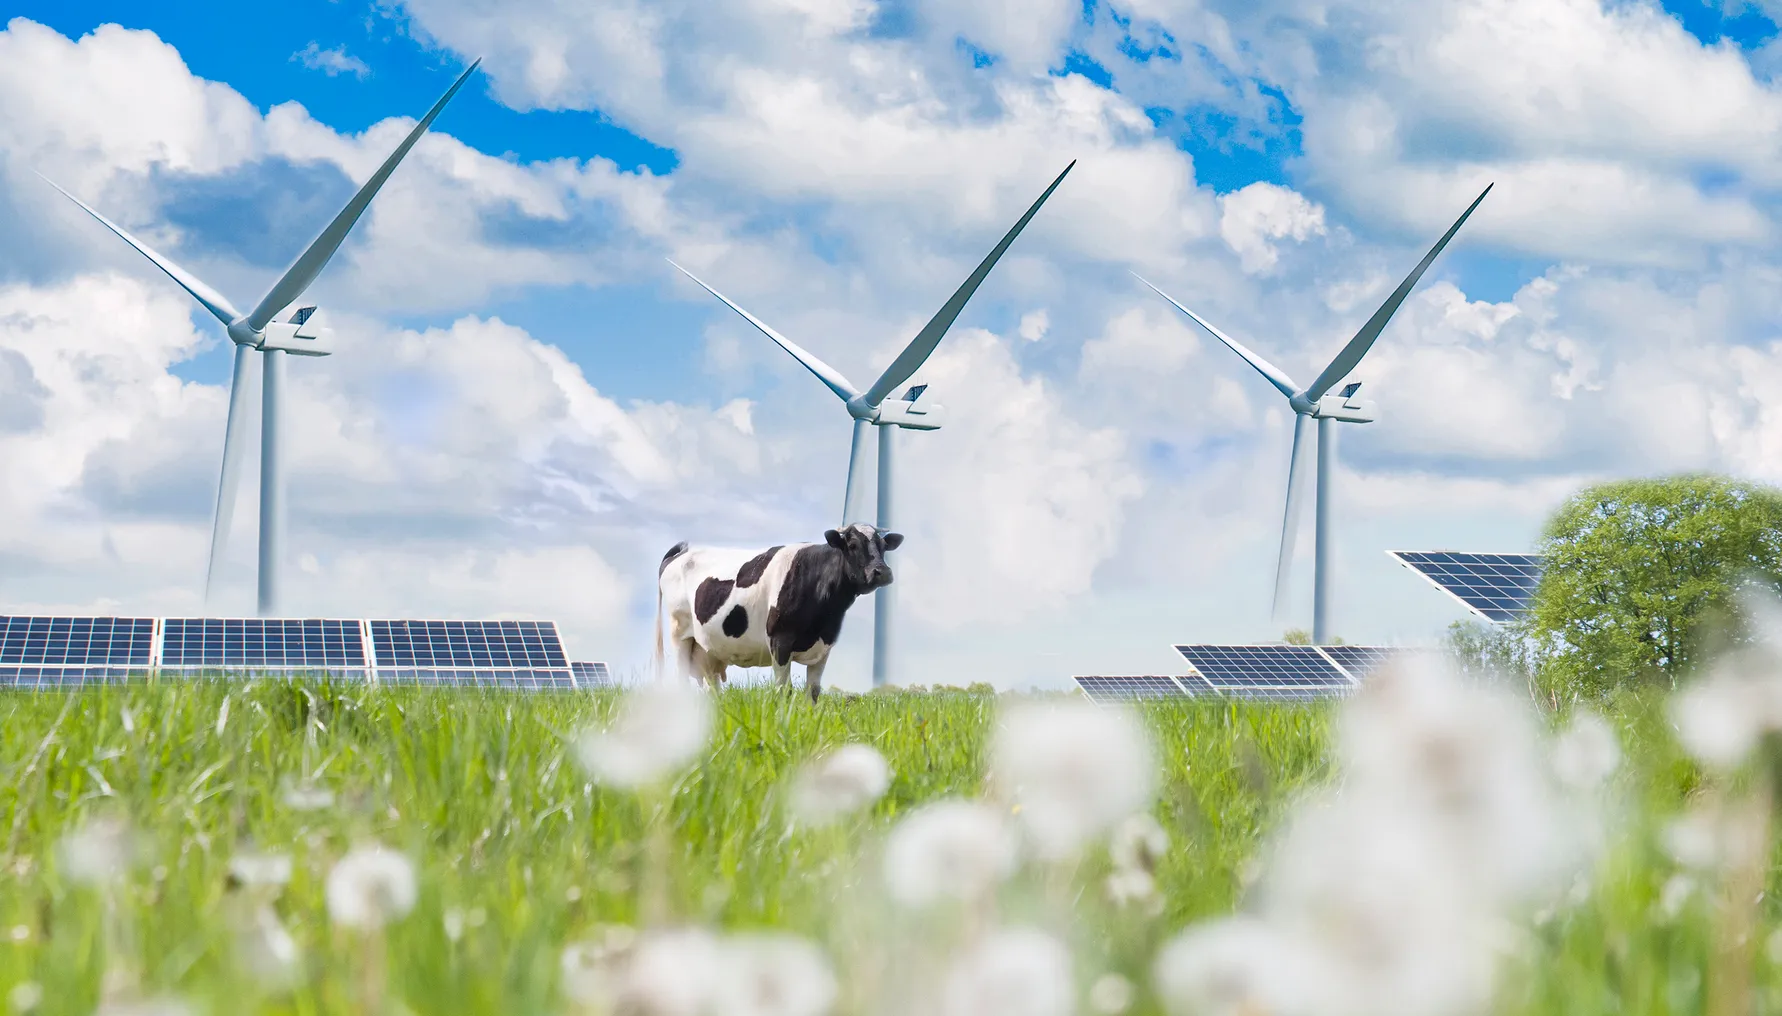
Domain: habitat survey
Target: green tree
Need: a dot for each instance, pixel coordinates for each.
(1636, 569)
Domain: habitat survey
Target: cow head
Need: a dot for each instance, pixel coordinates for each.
(863, 553)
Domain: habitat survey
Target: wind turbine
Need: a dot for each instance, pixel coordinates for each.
(874, 408)
(265, 331)
(1313, 403)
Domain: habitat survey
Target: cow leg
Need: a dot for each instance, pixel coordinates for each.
(813, 679)
(687, 659)
(704, 669)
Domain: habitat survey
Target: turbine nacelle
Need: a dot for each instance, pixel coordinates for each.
(300, 332)
(1344, 406)
(910, 412)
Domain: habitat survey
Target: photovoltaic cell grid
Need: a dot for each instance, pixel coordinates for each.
(263, 644)
(1497, 587)
(39, 652)
(1109, 689)
(1276, 672)
(590, 675)
(499, 654)
(1361, 661)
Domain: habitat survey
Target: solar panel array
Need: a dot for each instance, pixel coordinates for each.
(1107, 690)
(56, 651)
(1497, 587)
(42, 652)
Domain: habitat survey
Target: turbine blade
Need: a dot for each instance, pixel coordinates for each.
(1290, 516)
(235, 434)
(213, 301)
(1358, 346)
(922, 346)
(854, 501)
(310, 263)
(825, 373)
(1275, 375)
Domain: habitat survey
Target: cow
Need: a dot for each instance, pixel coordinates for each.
(783, 605)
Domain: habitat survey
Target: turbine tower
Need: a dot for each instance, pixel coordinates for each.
(1314, 403)
(874, 407)
(270, 332)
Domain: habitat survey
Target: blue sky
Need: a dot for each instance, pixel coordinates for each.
(529, 404)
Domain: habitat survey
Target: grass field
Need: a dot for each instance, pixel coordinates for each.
(517, 854)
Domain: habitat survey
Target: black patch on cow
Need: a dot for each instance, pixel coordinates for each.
(811, 603)
(751, 573)
(710, 595)
(673, 552)
(736, 622)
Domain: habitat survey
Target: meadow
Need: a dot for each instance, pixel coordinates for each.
(518, 853)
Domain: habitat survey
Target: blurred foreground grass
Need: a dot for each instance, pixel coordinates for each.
(518, 854)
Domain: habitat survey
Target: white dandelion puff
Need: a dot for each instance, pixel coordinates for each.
(1587, 753)
(25, 997)
(1674, 896)
(1236, 967)
(369, 887)
(269, 952)
(250, 869)
(1134, 888)
(1719, 719)
(1693, 840)
(307, 796)
(1110, 995)
(1012, 972)
(947, 850)
(1073, 769)
(662, 973)
(661, 727)
(98, 852)
(845, 781)
(773, 975)
(1138, 843)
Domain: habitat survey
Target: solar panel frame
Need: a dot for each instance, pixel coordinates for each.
(67, 641)
(544, 679)
(1496, 587)
(474, 645)
(589, 674)
(1104, 689)
(1272, 672)
(235, 647)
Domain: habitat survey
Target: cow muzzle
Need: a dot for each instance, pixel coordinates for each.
(877, 577)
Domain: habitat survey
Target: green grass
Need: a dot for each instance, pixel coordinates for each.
(507, 833)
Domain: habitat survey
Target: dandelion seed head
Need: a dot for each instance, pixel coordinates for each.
(774, 975)
(369, 887)
(1138, 843)
(947, 850)
(306, 796)
(269, 952)
(845, 781)
(254, 870)
(1674, 896)
(660, 728)
(1587, 753)
(1134, 888)
(25, 997)
(1110, 995)
(1693, 840)
(661, 973)
(98, 852)
(1238, 966)
(1011, 972)
(1719, 719)
(1073, 769)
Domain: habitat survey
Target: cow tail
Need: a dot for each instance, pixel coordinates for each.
(658, 654)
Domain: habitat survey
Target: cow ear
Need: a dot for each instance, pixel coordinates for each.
(893, 541)
(834, 539)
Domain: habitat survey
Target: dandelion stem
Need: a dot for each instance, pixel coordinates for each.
(1735, 919)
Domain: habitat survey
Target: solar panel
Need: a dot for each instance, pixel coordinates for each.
(1275, 672)
(1497, 587)
(498, 654)
(1359, 662)
(312, 645)
(465, 677)
(591, 675)
(1105, 690)
(54, 652)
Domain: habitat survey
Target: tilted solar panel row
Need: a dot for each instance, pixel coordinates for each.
(37, 652)
(1282, 673)
(1497, 587)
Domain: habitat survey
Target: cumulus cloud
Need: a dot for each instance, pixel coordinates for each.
(1251, 219)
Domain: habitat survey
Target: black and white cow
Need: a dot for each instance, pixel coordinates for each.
(784, 605)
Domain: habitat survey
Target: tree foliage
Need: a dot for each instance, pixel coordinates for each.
(1637, 569)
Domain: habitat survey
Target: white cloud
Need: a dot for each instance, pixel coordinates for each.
(1034, 324)
(332, 62)
(1252, 218)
